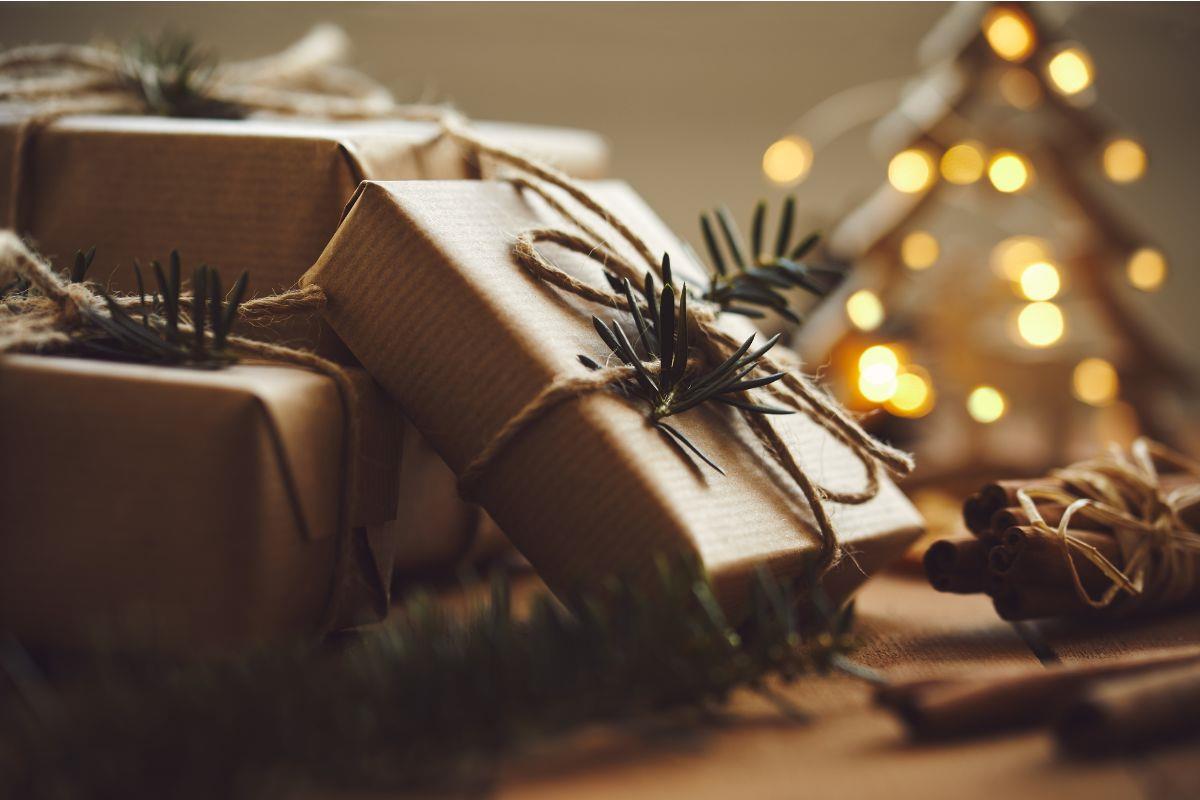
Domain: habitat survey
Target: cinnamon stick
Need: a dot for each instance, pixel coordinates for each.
(976, 515)
(1132, 712)
(1015, 516)
(957, 565)
(1016, 603)
(1035, 577)
(939, 709)
(1003, 494)
(1038, 557)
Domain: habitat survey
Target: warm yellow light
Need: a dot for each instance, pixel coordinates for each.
(1020, 88)
(878, 382)
(1009, 172)
(1070, 71)
(1146, 269)
(1040, 281)
(910, 170)
(986, 404)
(864, 310)
(1011, 256)
(788, 160)
(1041, 324)
(1124, 160)
(878, 354)
(914, 394)
(1009, 33)
(963, 163)
(1095, 381)
(919, 250)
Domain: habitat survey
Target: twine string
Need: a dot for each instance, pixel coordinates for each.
(1160, 551)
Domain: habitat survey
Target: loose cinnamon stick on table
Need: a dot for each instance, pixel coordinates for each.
(938, 709)
(1132, 712)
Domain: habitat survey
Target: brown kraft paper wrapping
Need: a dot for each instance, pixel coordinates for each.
(187, 508)
(256, 195)
(424, 291)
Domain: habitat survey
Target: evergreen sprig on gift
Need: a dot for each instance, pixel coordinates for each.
(665, 376)
(155, 329)
(431, 700)
(172, 75)
(748, 281)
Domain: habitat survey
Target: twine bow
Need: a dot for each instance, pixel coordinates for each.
(1160, 551)
(795, 390)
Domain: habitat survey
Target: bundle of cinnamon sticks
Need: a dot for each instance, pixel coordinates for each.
(1021, 566)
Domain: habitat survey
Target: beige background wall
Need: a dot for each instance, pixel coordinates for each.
(688, 95)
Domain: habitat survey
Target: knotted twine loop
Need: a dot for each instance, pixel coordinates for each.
(796, 390)
(44, 317)
(1160, 552)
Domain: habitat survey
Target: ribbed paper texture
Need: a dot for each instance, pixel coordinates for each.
(195, 507)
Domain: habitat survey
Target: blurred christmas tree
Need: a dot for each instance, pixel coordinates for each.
(993, 314)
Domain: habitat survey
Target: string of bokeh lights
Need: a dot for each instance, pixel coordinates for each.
(885, 377)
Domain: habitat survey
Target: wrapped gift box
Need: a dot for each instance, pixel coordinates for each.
(260, 195)
(425, 292)
(256, 195)
(183, 507)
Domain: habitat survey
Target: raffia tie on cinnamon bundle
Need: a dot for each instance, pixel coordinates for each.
(1113, 535)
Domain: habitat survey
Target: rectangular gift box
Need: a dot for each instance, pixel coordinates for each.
(424, 290)
(183, 507)
(257, 195)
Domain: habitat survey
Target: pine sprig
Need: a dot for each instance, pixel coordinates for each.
(665, 377)
(413, 706)
(172, 75)
(746, 281)
(151, 333)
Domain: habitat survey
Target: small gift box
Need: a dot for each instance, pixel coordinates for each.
(262, 195)
(424, 289)
(189, 508)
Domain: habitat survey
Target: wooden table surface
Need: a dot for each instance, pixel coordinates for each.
(847, 748)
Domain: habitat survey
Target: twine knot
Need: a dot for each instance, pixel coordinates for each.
(77, 300)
